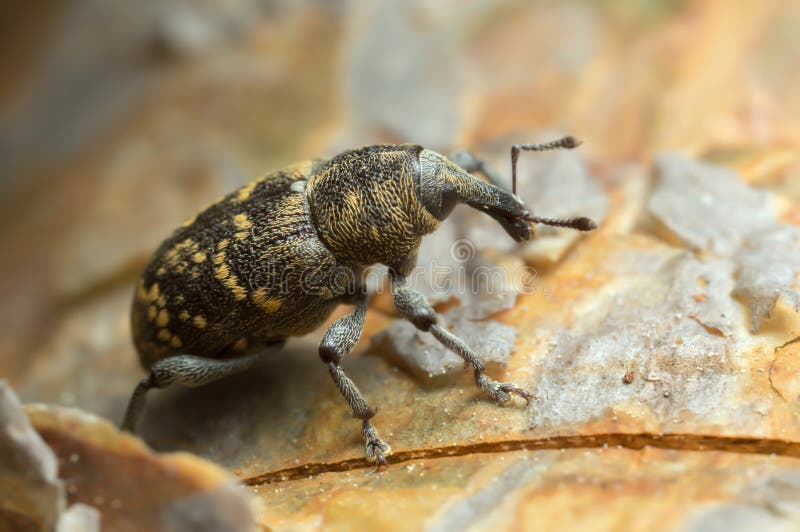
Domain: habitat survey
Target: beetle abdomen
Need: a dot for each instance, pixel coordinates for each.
(248, 266)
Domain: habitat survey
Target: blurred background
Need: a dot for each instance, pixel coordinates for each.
(120, 119)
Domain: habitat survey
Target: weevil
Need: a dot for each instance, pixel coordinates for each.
(275, 257)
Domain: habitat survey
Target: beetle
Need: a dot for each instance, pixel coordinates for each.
(275, 257)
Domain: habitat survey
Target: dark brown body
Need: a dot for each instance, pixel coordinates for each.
(252, 268)
(274, 258)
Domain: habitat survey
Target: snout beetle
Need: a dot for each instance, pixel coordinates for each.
(265, 263)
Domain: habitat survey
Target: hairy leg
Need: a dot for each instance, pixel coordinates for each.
(338, 341)
(415, 308)
(472, 164)
(189, 371)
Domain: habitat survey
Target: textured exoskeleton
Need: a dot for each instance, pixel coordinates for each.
(275, 257)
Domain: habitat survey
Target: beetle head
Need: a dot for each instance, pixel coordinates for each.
(443, 184)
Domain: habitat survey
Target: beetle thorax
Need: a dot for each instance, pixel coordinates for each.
(365, 208)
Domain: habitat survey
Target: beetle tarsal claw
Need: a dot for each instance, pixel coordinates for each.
(376, 449)
(502, 391)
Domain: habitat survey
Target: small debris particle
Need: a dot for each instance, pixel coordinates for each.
(628, 377)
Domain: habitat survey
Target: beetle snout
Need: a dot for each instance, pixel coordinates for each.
(519, 230)
(515, 225)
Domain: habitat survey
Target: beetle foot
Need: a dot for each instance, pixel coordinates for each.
(501, 391)
(376, 448)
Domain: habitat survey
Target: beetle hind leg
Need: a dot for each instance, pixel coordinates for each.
(133, 414)
(189, 371)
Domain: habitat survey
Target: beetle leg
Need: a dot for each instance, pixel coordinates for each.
(415, 308)
(339, 340)
(189, 371)
(472, 164)
(499, 391)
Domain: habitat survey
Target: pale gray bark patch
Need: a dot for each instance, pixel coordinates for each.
(708, 207)
(467, 512)
(768, 269)
(678, 347)
(712, 211)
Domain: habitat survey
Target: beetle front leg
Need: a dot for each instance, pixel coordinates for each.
(415, 308)
(473, 164)
(338, 341)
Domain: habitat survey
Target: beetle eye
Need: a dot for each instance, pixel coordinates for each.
(449, 199)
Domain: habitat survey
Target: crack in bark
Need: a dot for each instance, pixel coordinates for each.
(635, 441)
(771, 382)
(788, 342)
(772, 366)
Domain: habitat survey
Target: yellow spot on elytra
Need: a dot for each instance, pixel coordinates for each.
(246, 190)
(199, 257)
(375, 234)
(179, 250)
(219, 258)
(242, 221)
(266, 302)
(199, 322)
(163, 318)
(161, 301)
(176, 342)
(223, 244)
(241, 235)
(231, 282)
(152, 295)
(183, 315)
(241, 344)
(161, 272)
(179, 299)
(164, 335)
(152, 311)
(222, 272)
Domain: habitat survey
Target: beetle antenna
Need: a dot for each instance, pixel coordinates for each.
(566, 142)
(581, 224)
